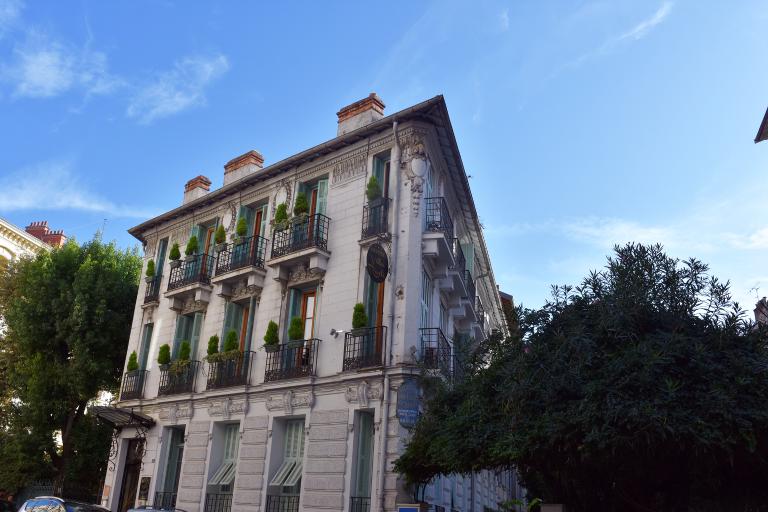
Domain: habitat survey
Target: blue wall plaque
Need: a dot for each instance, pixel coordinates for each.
(408, 403)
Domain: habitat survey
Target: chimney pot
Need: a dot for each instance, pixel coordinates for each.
(240, 166)
(360, 113)
(195, 188)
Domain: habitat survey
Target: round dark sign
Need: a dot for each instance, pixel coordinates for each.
(377, 263)
(408, 404)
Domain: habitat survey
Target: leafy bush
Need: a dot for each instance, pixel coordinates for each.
(301, 206)
(220, 236)
(373, 191)
(213, 345)
(185, 350)
(175, 253)
(242, 227)
(192, 246)
(271, 337)
(230, 342)
(133, 362)
(164, 354)
(150, 269)
(296, 329)
(281, 214)
(359, 318)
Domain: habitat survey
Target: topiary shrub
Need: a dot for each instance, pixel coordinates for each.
(175, 253)
(373, 191)
(281, 215)
(150, 272)
(164, 355)
(359, 318)
(133, 362)
(185, 350)
(230, 342)
(192, 246)
(272, 337)
(220, 236)
(301, 206)
(213, 345)
(242, 227)
(296, 329)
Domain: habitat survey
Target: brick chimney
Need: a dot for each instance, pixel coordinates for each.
(39, 230)
(243, 165)
(761, 311)
(196, 187)
(360, 113)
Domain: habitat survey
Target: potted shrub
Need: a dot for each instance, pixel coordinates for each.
(272, 338)
(373, 191)
(281, 217)
(150, 272)
(213, 349)
(241, 229)
(296, 332)
(164, 356)
(182, 361)
(231, 345)
(133, 362)
(301, 208)
(192, 247)
(220, 237)
(174, 256)
(359, 319)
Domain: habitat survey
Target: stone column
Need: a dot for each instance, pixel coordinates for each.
(325, 459)
(250, 465)
(190, 496)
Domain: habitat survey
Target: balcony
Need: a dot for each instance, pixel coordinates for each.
(436, 351)
(360, 504)
(437, 240)
(292, 360)
(479, 325)
(164, 500)
(152, 290)
(241, 261)
(132, 387)
(454, 279)
(191, 280)
(282, 504)
(303, 243)
(218, 502)
(376, 219)
(230, 372)
(182, 380)
(363, 348)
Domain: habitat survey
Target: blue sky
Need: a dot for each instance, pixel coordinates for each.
(582, 124)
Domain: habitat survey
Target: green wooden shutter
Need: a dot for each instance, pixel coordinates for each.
(198, 232)
(364, 456)
(248, 214)
(181, 329)
(264, 220)
(160, 259)
(228, 312)
(294, 309)
(469, 256)
(322, 196)
(197, 327)
(147, 339)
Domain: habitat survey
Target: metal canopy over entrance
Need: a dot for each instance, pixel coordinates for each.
(120, 418)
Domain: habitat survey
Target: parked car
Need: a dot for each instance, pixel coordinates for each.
(54, 504)
(146, 508)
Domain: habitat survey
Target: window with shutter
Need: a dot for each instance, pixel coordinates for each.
(224, 476)
(288, 475)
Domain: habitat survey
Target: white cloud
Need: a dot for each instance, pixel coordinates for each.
(504, 19)
(53, 186)
(176, 90)
(43, 67)
(9, 13)
(644, 27)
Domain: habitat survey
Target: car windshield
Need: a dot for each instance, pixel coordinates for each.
(73, 506)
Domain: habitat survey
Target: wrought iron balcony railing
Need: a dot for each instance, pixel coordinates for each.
(459, 261)
(218, 502)
(178, 379)
(133, 385)
(470, 284)
(438, 218)
(376, 218)
(360, 504)
(301, 233)
(197, 269)
(229, 372)
(436, 351)
(282, 504)
(248, 252)
(164, 500)
(292, 360)
(152, 290)
(480, 312)
(363, 348)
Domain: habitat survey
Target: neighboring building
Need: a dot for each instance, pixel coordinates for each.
(761, 311)
(15, 242)
(312, 424)
(762, 132)
(40, 230)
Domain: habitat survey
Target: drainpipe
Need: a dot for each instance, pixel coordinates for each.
(395, 236)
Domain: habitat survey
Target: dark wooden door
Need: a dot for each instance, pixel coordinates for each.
(131, 474)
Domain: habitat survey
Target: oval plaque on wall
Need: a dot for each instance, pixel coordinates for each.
(377, 263)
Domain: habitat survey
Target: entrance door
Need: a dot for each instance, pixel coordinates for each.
(131, 475)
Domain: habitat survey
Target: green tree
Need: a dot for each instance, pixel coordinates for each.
(644, 388)
(68, 315)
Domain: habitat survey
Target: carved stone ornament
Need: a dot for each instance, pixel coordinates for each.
(289, 400)
(229, 219)
(363, 393)
(416, 163)
(193, 306)
(242, 291)
(177, 412)
(301, 275)
(348, 170)
(283, 191)
(227, 407)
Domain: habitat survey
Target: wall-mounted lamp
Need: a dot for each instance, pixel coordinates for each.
(335, 333)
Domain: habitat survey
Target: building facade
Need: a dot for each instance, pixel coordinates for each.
(15, 242)
(314, 422)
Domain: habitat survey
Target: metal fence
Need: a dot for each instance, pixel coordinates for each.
(282, 504)
(436, 351)
(375, 218)
(218, 502)
(360, 504)
(197, 269)
(363, 348)
(179, 380)
(152, 291)
(229, 372)
(133, 385)
(291, 360)
(248, 252)
(438, 218)
(164, 500)
(301, 233)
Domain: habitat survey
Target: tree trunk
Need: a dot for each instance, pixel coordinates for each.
(66, 446)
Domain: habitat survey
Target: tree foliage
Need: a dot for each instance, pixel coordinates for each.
(644, 388)
(68, 315)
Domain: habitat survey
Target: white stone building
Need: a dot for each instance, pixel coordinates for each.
(15, 242)
(312, 424)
